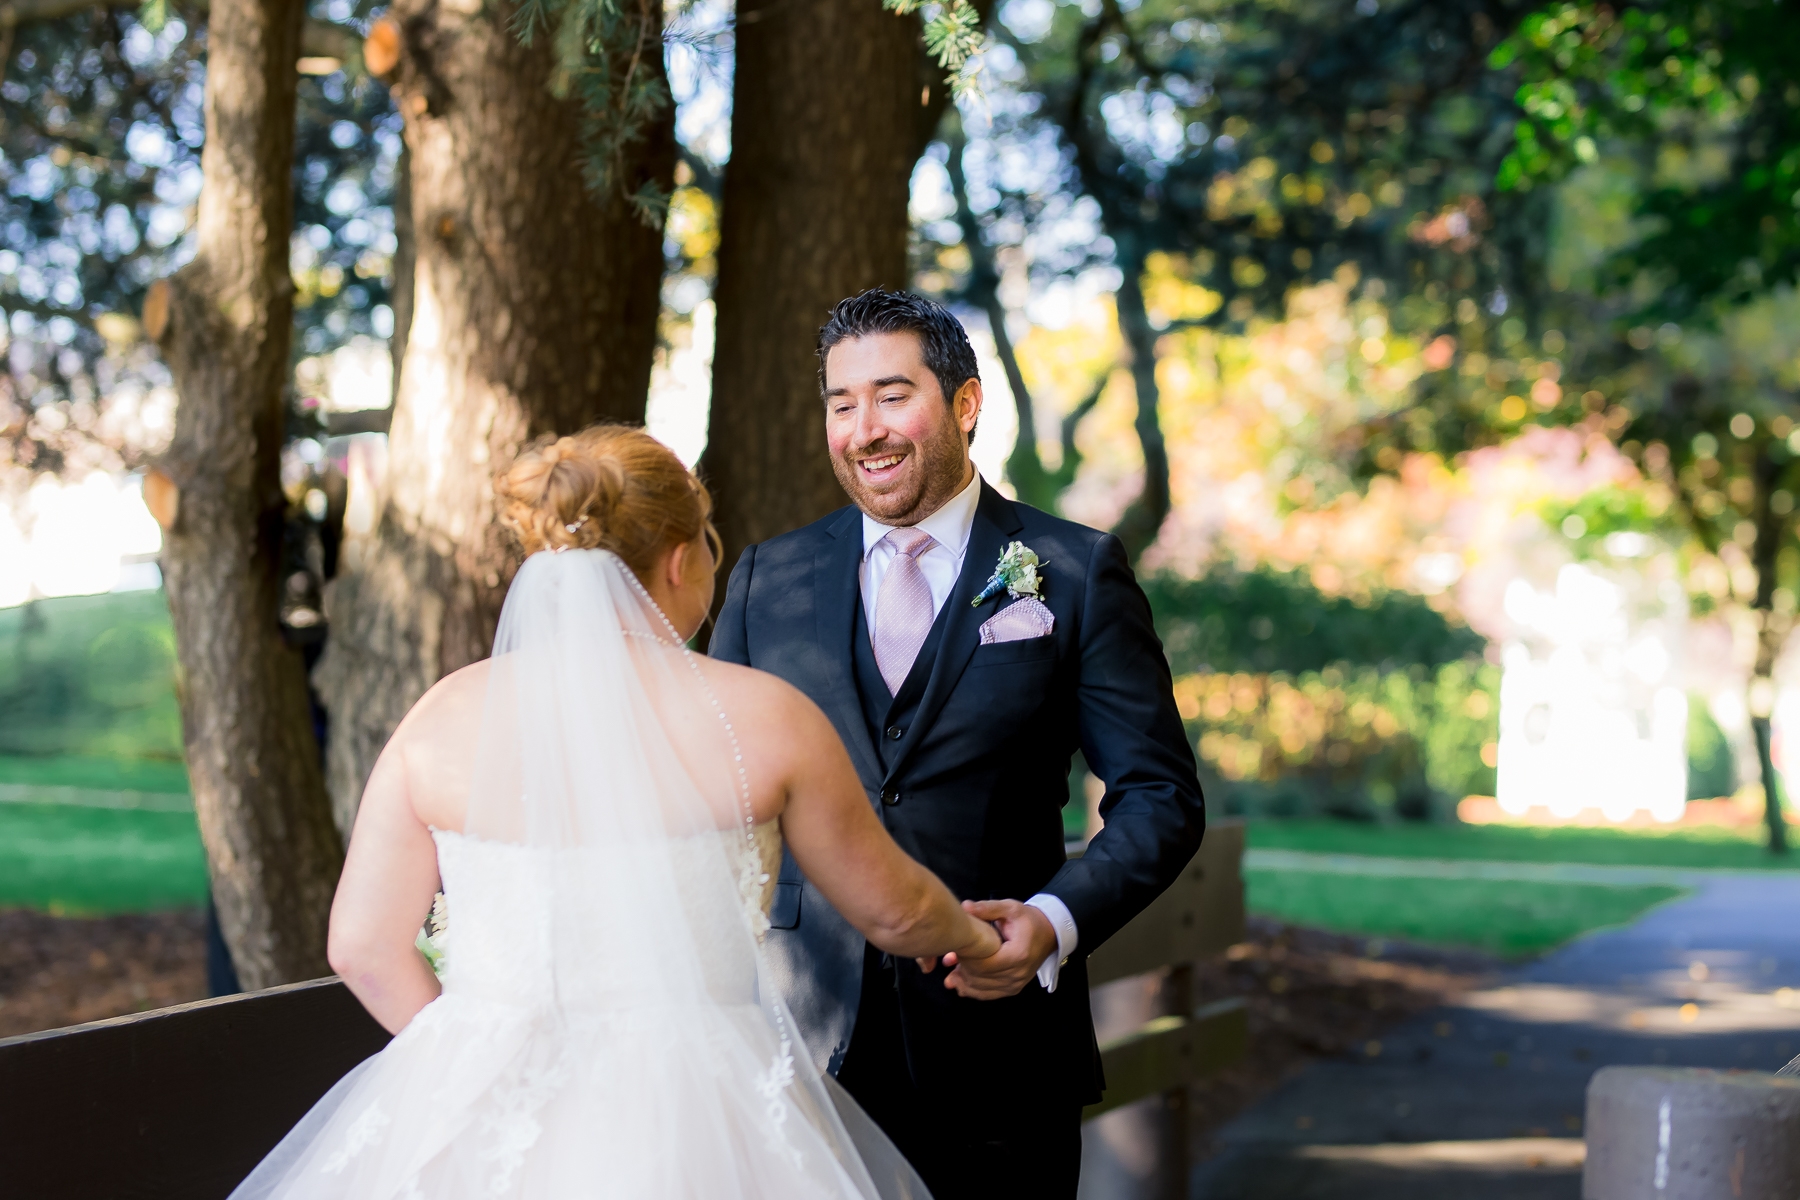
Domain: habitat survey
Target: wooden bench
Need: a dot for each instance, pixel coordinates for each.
(182, 1102)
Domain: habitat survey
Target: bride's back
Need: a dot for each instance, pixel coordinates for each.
(584, 786)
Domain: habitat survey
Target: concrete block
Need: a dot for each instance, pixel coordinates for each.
(1664, 1133)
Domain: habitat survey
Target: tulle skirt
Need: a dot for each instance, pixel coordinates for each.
(477, 1098)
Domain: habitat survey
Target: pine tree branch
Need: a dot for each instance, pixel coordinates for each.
(45, 310)
(321, 39)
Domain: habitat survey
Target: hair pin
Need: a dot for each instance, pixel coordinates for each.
(577, 524)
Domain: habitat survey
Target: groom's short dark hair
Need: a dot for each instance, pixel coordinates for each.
(942, 340)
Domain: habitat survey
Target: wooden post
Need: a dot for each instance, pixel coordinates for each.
(1199, 916)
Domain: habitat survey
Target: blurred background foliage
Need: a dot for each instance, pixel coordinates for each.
(90, 677)
(1296, 297)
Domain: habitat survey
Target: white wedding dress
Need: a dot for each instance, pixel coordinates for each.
(605, 1027)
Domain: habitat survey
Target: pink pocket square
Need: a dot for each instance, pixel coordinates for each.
(1026, 618)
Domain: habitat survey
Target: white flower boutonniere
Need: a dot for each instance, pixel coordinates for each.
(1016, 574)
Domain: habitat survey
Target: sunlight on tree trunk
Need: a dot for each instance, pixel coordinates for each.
(224, 323)
(534, 310)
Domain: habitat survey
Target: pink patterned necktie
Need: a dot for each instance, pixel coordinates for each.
(903, 611)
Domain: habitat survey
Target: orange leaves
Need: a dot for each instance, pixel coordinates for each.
(381, 49)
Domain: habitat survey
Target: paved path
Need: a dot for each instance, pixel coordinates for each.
(1483, 1100)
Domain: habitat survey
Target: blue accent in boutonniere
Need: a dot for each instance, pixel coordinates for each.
(1016, 573)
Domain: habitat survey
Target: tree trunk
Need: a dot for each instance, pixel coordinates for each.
(1024, 467)
(824, 133)
(224, 324)
(1771, 634)
(1105, 176)
(1143, 520)
(535, 304)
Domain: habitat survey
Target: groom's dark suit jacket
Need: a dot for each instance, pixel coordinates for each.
(968, 767)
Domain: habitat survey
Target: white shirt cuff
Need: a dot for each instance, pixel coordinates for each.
(1063, 921)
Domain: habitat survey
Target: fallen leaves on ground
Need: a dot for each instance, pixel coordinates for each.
(57, 971)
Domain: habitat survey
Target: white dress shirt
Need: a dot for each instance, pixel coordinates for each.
(942, 565)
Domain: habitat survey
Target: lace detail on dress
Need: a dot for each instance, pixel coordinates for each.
(363, 1132)
(515, 1127)
(751, 879)
(756, 874)
(771, 1084)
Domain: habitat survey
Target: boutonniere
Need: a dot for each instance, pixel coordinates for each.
(1016, 573)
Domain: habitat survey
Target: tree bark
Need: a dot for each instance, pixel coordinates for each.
(535, 304)
(224, 324)
(824, 133)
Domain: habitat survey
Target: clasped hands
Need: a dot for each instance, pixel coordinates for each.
(1026, 939)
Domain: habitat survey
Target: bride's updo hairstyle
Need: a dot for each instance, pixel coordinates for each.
(609, 487)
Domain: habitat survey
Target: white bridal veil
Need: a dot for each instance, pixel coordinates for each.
(607, 1026)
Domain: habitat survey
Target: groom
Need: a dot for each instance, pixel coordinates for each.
(961, 709)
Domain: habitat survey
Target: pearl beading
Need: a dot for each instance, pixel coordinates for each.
(781, 1071)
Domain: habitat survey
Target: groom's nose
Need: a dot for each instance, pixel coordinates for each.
(870, 427)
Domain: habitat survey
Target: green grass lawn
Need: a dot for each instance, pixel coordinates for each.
(1684, 847)
(74, 860)
(94, 774)
(1513, 920)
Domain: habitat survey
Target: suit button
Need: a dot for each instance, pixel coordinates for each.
(890, 797)
(895, 733)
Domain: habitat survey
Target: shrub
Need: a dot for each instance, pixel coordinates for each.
(1301, 703)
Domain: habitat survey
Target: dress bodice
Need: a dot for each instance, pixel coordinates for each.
(532, 926)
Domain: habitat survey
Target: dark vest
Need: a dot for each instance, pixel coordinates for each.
(889, 717)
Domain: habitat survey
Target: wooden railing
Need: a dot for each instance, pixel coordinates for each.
(182, 1102)
(1200, 915)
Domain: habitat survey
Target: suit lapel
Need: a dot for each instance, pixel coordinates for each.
(995, 522)
(836, 568)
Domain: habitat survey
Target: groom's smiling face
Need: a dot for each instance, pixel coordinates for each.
(898, 447)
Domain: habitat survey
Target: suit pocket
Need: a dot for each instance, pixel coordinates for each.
(784, 910)
(1024, 650)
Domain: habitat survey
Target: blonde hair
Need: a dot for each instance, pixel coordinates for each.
(609, 487)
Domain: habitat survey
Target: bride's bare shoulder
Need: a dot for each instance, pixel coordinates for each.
(450, 704)
(757, 696)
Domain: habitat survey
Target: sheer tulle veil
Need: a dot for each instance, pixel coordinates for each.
(606, 762)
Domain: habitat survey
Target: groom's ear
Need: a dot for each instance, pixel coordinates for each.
(967, 407)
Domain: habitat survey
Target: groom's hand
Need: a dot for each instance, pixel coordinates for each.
(1027, 939)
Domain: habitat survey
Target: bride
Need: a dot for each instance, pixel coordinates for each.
(604, 812)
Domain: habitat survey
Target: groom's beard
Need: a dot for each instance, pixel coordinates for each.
(934, 471)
